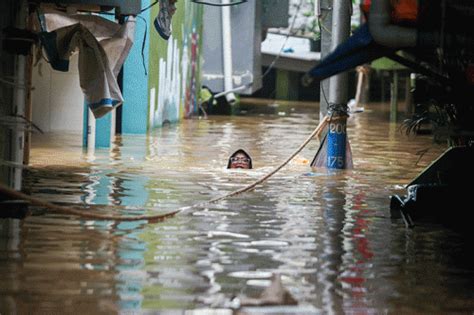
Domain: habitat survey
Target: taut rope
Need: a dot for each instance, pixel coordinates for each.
(158, 217)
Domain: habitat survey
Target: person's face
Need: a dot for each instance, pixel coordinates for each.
(239, 161)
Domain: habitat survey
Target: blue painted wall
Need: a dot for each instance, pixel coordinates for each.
(102, 130)
(135, 81)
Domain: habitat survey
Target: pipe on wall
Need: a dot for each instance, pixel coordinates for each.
(384, 32)
(227, 51)
(91, 131)
(19, 96)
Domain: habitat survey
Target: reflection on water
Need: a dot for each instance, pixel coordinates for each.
(328, 234)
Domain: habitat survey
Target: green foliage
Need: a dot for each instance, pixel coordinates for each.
(310, 28)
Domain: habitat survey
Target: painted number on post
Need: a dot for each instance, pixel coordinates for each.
(335, 161)
(337, 128)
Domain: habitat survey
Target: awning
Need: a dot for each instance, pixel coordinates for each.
(358, 49)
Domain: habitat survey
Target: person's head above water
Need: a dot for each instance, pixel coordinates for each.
(240, 159)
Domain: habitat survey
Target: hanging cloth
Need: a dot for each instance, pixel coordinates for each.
(103, 46)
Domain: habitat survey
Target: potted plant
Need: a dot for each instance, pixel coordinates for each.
(311, 27)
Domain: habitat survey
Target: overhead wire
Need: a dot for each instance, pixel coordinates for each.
(219, 4)
(200, 2)
(319, 17)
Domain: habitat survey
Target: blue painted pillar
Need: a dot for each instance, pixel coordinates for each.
(103, 135)
(338, 90)
(135, 80)
(337, 138)
(100, 133)
(88, 131)
(104, 127)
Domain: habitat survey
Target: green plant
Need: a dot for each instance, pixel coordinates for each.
(310, 27)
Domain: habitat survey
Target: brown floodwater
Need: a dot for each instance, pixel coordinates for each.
(329, 234)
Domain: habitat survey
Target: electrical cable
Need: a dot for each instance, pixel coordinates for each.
(199, 2)
(219, 4)
(149, 7)
(144, 43)
(292, 25)
(17, 85)
(322, 88)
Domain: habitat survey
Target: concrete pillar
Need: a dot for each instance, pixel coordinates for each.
(326, 24)
(408, 94)
(394, 97)
(338, 90)
(135, 90)
(19, 102)
(286, 85)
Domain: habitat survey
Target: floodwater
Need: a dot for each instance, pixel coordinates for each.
(329, 234)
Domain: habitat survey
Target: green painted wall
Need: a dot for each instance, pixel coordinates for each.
(175, 66)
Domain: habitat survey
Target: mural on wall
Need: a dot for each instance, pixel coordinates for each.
(173, 84)
(169, 88)
(191, 105)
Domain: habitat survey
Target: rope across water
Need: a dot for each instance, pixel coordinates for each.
(157, 217)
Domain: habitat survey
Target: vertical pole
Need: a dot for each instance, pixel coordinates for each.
(227, 51)
(18, 134)
(286, 85)
(103, 128)
(28, 108)
(394, 97)
(382, 84)
(408, 94)
(360, 81)
(113, 125)
(133, 81)
(29, 102)
(90, 132)
(365, 95)
(326, 24)
(19, 96)
(119, 110)
(338, 90)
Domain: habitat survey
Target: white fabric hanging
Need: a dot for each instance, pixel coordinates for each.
(103, 46)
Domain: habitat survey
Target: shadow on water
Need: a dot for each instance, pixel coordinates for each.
(329, 235)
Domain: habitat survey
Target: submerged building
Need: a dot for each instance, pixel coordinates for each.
(152, 79)
(102, 68)
(55, 78)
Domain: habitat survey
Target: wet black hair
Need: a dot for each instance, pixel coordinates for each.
(244, 153)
